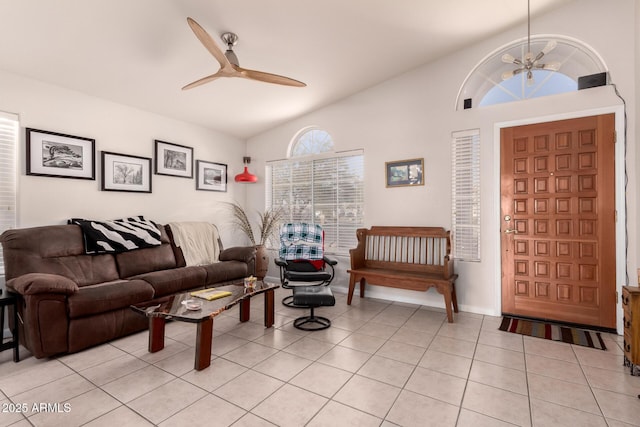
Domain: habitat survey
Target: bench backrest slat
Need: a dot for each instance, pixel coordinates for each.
(417, 249)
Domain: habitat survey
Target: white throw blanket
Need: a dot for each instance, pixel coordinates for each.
(198, 241)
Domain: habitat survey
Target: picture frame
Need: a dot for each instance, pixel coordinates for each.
(173, 159)
(211, 176)
(60, 155)
(124, 172)
(403, 173)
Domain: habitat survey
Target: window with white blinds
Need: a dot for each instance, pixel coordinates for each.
(325, 189)
(465, 188)
(8, 144)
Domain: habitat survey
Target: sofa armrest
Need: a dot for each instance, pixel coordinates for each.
(239, 253)
(41, 283)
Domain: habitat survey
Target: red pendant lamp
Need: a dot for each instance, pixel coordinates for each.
(246, 177)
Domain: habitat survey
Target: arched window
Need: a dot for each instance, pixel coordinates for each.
(310, 141)
(317, 185)
(519, 86)
(486, 83)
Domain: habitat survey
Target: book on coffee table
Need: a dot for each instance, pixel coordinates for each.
(210, 294)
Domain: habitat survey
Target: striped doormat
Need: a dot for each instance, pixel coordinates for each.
(553, 332)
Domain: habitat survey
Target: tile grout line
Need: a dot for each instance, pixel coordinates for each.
(466, 382)
(386, 341)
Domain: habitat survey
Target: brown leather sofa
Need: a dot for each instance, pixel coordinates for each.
(69, 301)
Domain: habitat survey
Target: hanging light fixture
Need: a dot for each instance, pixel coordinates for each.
(529, 61)
(246, 177)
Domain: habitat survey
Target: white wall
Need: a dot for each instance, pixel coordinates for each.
(413, 115)
(121, 129)
(409, 116)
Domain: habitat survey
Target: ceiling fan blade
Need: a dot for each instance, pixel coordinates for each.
(267, 77)
(208, 43)
(204, 80)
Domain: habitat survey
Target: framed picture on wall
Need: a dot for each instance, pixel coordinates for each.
(211, 176)
(122, 172)
(173, 159)
(60, 155)
(405, 172)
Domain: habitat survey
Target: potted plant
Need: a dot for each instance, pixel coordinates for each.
(268, 222)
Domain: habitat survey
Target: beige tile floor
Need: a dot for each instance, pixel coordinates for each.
(380, 364)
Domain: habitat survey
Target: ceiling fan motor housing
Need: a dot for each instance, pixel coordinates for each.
(230, 39)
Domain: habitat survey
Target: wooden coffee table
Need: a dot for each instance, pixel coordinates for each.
(171, 307)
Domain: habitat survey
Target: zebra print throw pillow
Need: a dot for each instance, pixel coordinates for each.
(120, 235)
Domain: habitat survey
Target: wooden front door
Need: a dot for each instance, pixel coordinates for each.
(558, 221)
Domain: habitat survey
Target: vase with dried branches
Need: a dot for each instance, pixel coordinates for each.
(268, 222)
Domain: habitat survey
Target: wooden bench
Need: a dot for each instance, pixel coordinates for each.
(414, 258)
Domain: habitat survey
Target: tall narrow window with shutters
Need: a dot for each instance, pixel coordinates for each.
(9, 126)
(465, 189)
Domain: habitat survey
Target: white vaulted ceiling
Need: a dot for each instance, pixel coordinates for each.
(142, 52)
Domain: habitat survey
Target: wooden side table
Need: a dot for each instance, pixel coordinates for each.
(8, 299)
(631, 323)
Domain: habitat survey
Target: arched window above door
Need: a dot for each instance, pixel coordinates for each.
(485, 84)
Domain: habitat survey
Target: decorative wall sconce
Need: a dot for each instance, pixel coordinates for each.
(246, 177)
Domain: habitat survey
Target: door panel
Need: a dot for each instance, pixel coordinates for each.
(558, 220)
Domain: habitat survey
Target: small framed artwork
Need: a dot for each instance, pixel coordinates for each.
(174, 159)
(405, 172)
(211, 176)
(122, 172)
(60, 155)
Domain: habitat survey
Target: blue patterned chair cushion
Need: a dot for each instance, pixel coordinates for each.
(301, 241)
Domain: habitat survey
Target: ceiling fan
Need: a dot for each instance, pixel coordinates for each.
(229, 61)
(529, 61)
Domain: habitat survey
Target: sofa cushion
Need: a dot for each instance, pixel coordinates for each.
(145, 260)
(54, 249)
(182, 279)
(108, 296)
(141, 261)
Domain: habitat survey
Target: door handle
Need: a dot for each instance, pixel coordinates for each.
(509, 231)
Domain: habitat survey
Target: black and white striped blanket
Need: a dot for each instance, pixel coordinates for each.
(118, 235)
